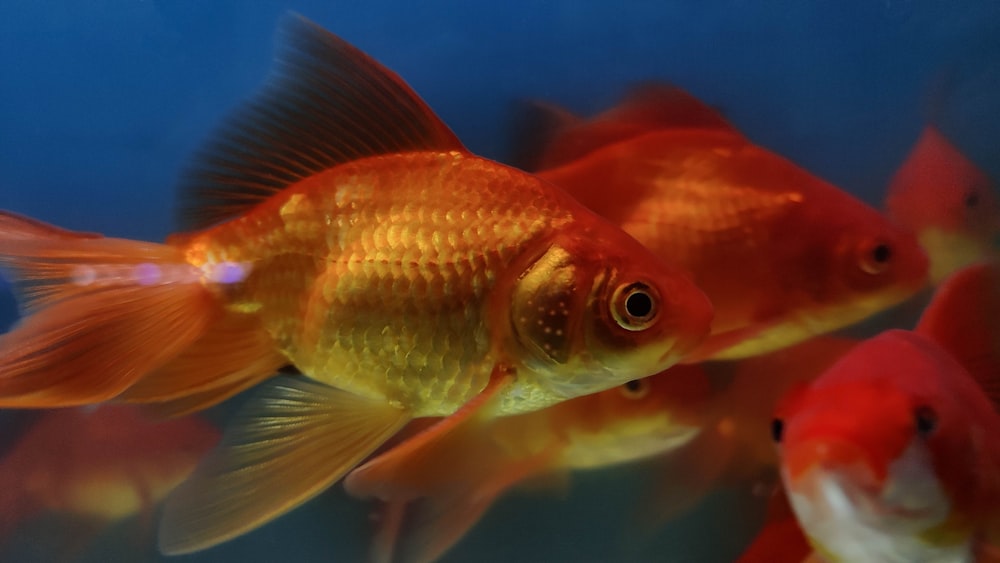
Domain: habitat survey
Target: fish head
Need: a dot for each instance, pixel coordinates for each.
(874, 453)
(948, 201)
(640, 418)
(596, 309)
(852, 263)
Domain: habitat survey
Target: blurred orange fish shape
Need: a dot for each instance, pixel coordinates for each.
(948, 202)
(434, 498)
(100, 466)
(893, 454)
(346, 231)
(782, 255)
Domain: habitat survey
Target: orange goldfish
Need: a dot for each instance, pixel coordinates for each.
(948, 201)
(101, 465)
(782, 255)
(434, 498)
(345, 230)
(893, 454)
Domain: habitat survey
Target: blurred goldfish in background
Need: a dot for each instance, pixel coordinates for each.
(781, 254)
(734, 448)
(948, 202)
(893, 454)
(345, 230)
(97, 466)
(434, 498)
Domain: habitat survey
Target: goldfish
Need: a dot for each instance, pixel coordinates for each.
(893, 454)
(781, 254)
(781, 540)
(337, 225)
(950, 203)
(98, 465)
(433, 499)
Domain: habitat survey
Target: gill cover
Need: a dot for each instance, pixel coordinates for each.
(544, 315)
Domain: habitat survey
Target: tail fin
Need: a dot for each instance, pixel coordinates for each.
(101, 314)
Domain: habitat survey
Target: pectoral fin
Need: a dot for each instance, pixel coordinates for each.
(383, 476)
(288, 443)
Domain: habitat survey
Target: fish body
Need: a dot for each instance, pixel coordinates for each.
(893, 454)
(782, 255)
(103, 465)
(433, 499)
(948, 201)
(338, 226)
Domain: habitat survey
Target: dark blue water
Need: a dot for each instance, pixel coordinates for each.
(102, 102)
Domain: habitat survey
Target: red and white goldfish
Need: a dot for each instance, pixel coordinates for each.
(948, 202)
(345, 230)
(782, 255)
(101, 465)
(893, 454)
(434, 498)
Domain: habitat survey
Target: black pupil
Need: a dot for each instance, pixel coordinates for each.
(972, 199)
(926, 420)
(634, 386)
(882, 253)
(639, 304)
(777, 429)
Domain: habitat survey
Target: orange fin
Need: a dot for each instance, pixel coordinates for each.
(662, 106)
(535, 126)
(234, 354)
(102, 313)
(548, 137)
(387, 475)
(287, 444)
(964, 318)
(424, 528)
(327, 103)
(189, 404)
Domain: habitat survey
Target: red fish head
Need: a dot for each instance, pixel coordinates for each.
(948, 201)
(879, 450)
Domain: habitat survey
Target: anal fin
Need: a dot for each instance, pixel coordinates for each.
(417, 454)
(288, 443)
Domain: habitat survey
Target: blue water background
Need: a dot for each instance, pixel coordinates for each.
(103, 101)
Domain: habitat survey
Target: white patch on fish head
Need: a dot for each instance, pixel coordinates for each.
(850, 518)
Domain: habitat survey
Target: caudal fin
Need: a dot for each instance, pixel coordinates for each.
(100, 314)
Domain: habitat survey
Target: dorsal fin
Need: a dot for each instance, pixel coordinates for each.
(964, 318)
(547, 137)
(663, 106)
(326, 103)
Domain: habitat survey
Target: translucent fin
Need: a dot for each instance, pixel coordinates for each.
(101, 313)
(428, 526)
(964, 318)
(232, 355)
(326, 103)
(420, 455)
(287, 444)
(548, 136)
(534, 127)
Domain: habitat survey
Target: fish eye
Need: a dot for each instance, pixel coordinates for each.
(777, 430)
(971, 200)
(925, 419)
(635, 306)
(635, 389)
(876, 259)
